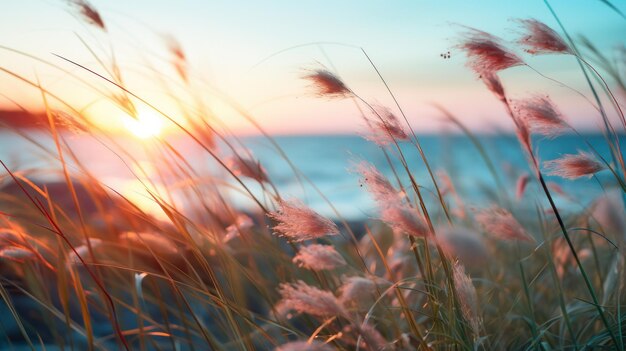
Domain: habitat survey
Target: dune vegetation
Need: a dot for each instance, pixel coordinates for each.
(85, 267)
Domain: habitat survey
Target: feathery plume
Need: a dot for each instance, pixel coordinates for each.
(356, 291)
(500, 223)
(89, 13)
(399, 216)
(541, 39)
(304, 346)
(404, 219)
(541, 116)
(327, 84)
(282, 310)
(573, 166)
(297, 222)
(155, 242)
(386, 127)
(377, 184)
(318, 257)
(246, 167)
(304, 298)
(17, 253)
(463, 244)
(242, 223)
(520, 185)
(371, 338)
(486, 54)
(494, 84)
(468, 299)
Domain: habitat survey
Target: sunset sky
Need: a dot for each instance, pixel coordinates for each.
(228, 44)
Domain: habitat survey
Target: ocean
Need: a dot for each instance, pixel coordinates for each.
(326, 164)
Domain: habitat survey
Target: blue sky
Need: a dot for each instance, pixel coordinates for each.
(224, 40)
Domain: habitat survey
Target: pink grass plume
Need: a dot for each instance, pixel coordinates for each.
(241, 224)
(357, 292)
(486, 54)
(246, 167)
(296, 222)
(500, 223)
(464, 245)
(468, 299)
(377, 184)
(538, 38)
(89, 13)
(304, 298)
(573, 166)
(327, 84)
(386, 128)
(541, 115)
(404, 219)
(318, 257)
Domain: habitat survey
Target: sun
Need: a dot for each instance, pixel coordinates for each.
(147, 124)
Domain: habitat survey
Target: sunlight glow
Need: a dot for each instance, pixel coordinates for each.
(147, 124)
(140, 193)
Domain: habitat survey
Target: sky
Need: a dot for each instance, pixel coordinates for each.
(252, 54)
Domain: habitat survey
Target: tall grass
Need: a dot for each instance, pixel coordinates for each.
(84, 265)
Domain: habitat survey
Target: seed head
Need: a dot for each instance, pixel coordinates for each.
(377, 184)
(501, 224)
(318, 257)
(486, 54)
(246, 167)
(468, 299)
(573, 166)
(357, 291)
(404, 219)
(463, 244)
(494, 84)
(297, 222)
(541, 115)
(304, 298)
(242, 223)
(538, 38)
(89, 13)
(327, 84)
(385, 127)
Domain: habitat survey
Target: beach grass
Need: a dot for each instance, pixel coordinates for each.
(88, 266)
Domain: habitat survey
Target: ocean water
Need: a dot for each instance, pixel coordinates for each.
(328, 161)
(325, 163)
